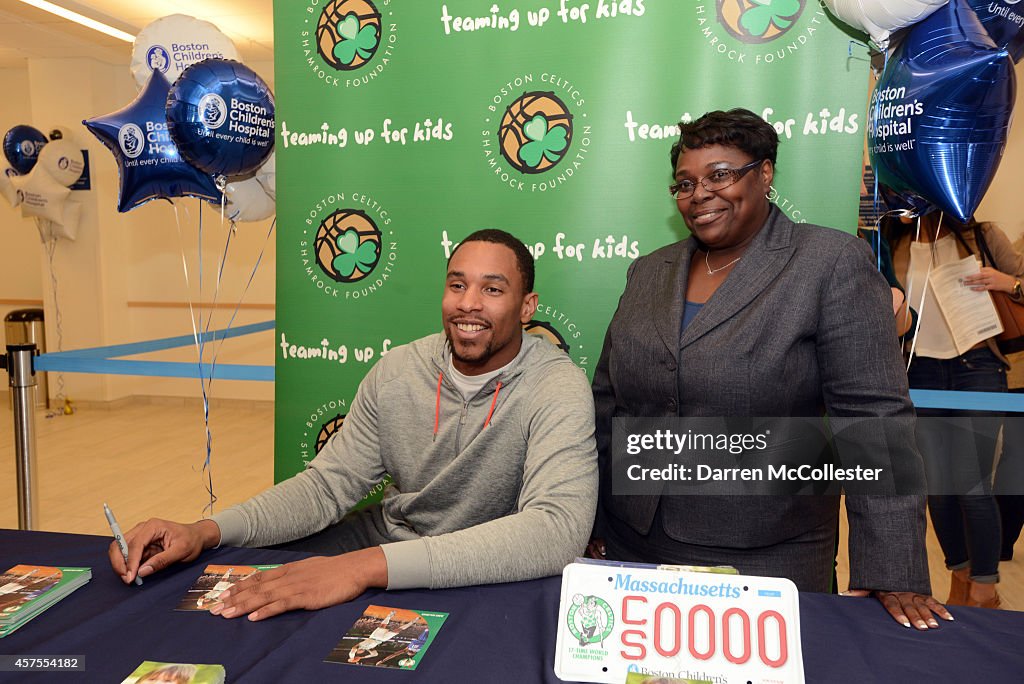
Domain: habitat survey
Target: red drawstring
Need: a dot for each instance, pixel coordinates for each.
(493, 402)
(437, 405)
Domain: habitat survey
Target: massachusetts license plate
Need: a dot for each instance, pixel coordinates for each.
(723, 628)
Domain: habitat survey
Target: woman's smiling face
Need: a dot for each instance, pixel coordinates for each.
(724, 218)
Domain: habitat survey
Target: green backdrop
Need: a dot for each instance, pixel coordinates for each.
(404, 125)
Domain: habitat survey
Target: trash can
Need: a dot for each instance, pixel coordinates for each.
(25, 326)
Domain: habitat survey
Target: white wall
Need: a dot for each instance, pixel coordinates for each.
(122, 266)
(1002, 202)
(21, 284)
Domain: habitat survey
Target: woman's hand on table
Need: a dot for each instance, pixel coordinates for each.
(907, 608)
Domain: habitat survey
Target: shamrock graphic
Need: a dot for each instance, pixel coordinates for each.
(353, 254)
(764, 13)
(543, 142)
(354, 40)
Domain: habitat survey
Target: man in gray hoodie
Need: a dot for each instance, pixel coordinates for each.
(487, 432)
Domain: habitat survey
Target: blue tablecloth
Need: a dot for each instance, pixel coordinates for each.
(498, 633)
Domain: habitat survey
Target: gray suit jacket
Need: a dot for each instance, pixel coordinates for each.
(803, 326)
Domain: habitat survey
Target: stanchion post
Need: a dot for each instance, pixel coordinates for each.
(22, 376)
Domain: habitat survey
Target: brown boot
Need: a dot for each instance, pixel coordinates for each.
(994, 603)
(958, 590)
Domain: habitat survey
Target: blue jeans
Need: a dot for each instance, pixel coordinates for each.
(966, 523)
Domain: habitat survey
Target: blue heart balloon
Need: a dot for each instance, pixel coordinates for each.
(148, 161)
(221, 116)
(940, 115)
(21, 147)
(1004, 21)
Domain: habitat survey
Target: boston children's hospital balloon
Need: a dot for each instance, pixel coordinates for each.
(22, 145)
(939, 117)
(220, 114)
(149, 164)
(879, 18)
(173, 43)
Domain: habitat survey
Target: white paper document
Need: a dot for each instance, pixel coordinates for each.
(971, 315)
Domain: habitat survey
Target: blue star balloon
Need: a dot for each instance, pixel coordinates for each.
(1004, 23)
(221, 116)
(21, 147)
(148, 161)
(940, 115)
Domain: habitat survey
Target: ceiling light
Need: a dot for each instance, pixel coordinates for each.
(80, 19)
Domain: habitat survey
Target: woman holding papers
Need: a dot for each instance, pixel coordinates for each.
(954, 349)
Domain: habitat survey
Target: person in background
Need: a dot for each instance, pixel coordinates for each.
(754, 315)
(967, 524)
(1009, 483)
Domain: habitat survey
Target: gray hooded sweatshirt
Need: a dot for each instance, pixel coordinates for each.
(499, 488)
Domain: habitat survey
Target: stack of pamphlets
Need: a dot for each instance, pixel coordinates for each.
(28, 590)
(182, 673)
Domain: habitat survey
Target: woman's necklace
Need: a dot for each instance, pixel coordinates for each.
(713, 271)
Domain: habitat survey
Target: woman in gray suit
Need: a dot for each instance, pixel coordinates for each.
(753, 315)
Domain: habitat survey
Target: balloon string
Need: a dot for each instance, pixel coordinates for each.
(252, 275)
(196, 324)
(878, 230)
(924, 288)
(205, 382)
(220, 274)
(62, 407)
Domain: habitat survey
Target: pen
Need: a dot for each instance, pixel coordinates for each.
(116, 529)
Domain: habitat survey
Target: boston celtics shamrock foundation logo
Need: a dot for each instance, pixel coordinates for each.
(590, 619)
(758, 32)
(328, 429)
(352, 37)
(348, 246)
(348, 33)
(536, 139)
(535, 132)
(319, 426)
(759, 21)
(553, 324)
(546, 331)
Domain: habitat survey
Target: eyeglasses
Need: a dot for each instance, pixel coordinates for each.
(719, 179)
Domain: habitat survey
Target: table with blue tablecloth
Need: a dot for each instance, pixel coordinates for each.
(496, 633)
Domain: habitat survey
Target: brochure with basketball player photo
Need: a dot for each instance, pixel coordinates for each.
(28, 590)
(22, 584)
(388, 637)
(205, 593)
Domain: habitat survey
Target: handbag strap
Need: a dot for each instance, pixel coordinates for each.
(979, 237)
(979, 234)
